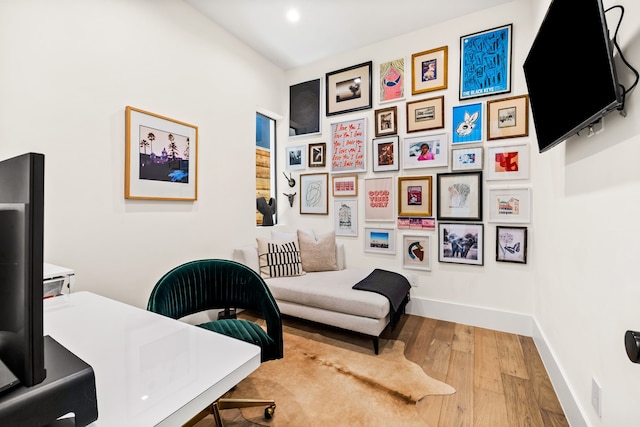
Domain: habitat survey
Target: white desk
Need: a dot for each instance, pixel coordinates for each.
(150, 370)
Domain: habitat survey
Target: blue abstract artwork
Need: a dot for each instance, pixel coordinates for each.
(485, 63)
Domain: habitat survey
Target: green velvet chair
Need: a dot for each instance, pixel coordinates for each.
(218, 284)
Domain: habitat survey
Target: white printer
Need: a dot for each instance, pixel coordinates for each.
(56, 279)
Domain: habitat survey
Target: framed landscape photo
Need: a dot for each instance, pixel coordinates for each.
(509, 204)
(380, 240)
(508, 117)
(378, 199)
(416, 252)
(425, 114)
(511, 244)
(485, 62)
(345, 213)
(391, 81)
(304, 108)
(426, 151)
(460, 196)
(466, 159)
(386, 121)
(348, 89)
(429, 70)
(314, 196)
(508, 162)
(317, 154)
(161, 161)
(467, 124)
(295, 157)
(415, 196)
(386, 154)
(461, 243)
(344, 185)
(348, 146)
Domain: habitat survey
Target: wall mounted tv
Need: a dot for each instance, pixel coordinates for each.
(570, 73)
(21, 259)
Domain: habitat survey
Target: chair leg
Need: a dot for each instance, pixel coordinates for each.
(226, 403)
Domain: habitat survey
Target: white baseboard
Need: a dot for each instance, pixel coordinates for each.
(514, 323)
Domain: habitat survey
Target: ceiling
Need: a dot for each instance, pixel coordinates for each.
(327, 27)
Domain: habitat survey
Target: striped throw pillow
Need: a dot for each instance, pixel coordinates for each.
(279, 258)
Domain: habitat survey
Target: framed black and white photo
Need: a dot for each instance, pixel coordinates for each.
(295, 157)
(349, 89)
(461, 243)
(317, 155)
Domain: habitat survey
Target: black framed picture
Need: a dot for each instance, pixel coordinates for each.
(460, 196)
(349, 89)
(304, 108)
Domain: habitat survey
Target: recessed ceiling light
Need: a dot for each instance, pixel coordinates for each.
(293, 15)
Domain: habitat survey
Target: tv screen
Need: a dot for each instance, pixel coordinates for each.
(21, 263)
(570, 72)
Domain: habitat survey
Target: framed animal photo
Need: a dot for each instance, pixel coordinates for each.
(461, 243)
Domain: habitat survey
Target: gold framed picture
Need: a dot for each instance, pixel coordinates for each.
(429, 70)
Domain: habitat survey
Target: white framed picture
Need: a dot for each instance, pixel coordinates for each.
(379, 199)
(296, 157)
(426, 151)
(466, 159)
(380, 240)
(508, 162)
(510, 204)
(345, 213)
(416, 252)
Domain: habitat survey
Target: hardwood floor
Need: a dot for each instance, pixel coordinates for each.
(499, 377)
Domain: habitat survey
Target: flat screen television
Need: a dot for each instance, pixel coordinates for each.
(570, 72)
(21, 263)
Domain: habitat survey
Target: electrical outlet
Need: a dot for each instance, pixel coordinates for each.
(413, 279)
(596, 396)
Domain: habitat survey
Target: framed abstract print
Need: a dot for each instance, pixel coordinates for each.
(460, 196)
(429, 70)
(386, 154)
(508, 162)
(304, 108)
(349, 89)
(161, 157)
(461, 243)
(344, 185)
(317, 155)
(391, 78)
(416, 252)
(314, 196)
(511, 244)
(485, 62)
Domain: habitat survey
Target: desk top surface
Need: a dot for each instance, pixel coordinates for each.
(150, 370)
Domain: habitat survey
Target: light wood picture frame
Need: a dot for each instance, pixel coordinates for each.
(314, 194)
(349, 89)
(344, 185)
(415, 196)
(508, 117)
(161, 161)
(425, 114)
(429, 70)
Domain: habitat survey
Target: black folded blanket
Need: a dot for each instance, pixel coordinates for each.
(392, 285)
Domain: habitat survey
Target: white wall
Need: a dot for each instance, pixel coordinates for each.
(68, 70)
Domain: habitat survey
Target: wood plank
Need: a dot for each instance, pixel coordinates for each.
(489, 408)
(522, 408)
(487, 374)
(463, 338)
(510, 355)
(457, 409)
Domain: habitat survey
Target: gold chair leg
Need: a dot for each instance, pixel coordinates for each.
(227, 403)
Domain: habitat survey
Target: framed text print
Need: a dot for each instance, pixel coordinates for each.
(485, 62)
(348, 146)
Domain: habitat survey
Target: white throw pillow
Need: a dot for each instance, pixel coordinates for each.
(318, 253)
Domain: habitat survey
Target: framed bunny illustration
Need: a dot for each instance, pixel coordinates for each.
(467, 124)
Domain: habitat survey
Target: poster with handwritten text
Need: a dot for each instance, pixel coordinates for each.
(348, 146)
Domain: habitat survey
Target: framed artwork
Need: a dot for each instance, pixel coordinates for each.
(345, 185)
(510, 204)
(466, 159)
(295, 157)
(317, 154)
(485, 62)
(378, 199)
(508, 162)
(427, 151)
(348, 146)
(416, 223)
(461, 243)
(416, 252)
(304, 108)
(314, 196)
(348, 89)
(386, 121)
(391, 87)
(345, 213)
(426, 114)
(385, 154)
(508, 117)
(415, 196)
(161, 161)
(511, 244)
(467, 124)
(460, 196)
(380, 240)
(429, 70)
